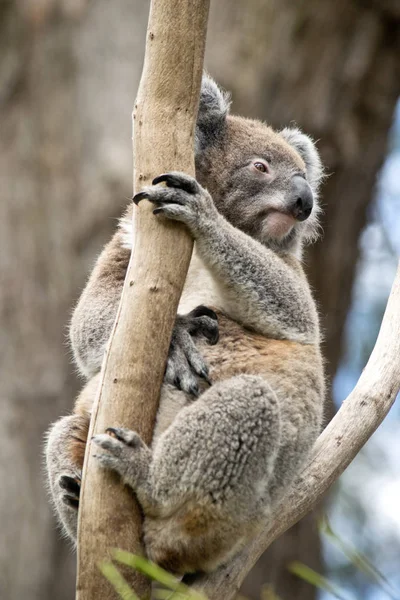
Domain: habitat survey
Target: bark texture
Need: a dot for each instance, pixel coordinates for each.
(164, 123)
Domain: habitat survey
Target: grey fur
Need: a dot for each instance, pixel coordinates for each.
(240, 264)
(305, 146)
(185, 362)
(89, 336)
(213, 109)
(209, 457)
(218, 464)
(59, 465)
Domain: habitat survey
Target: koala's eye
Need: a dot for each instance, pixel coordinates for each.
(261, 166)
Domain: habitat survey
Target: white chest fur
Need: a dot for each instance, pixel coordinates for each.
(200, 288)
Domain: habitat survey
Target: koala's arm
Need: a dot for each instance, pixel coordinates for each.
(95, 312)
(271, 292)
(263, 290)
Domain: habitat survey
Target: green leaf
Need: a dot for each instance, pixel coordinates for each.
(168, 595)
(268, 593)
(315, 579)
(359, 560)
(156, 573)
(119, 583)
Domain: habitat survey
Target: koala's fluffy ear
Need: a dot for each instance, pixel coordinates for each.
(213, 109)
(305, 146)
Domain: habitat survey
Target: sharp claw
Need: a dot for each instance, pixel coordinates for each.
(115, 433)
(194, 390)
(70, 501)
(160, 178)
(214, 340)
(204, 375)
(140, 196)
(203, 311)
(177, 383)
(70, 484)
(211, 335)
(177, 181)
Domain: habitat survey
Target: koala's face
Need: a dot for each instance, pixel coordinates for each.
(264, 182)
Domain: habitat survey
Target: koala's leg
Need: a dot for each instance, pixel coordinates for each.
(94, 315)
(125, 452)
(65, 450)
(206, 485)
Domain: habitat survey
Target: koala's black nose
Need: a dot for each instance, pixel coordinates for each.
(301, 198)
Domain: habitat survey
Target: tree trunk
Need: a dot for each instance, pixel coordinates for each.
(334, 69)
(164, 128)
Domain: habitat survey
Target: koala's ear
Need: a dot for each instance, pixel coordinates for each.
(306, 147)
(213, 109)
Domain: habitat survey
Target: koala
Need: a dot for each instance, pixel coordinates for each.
(228, 444)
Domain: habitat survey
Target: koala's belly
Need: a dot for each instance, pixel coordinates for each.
(292, 369)
(241, 351)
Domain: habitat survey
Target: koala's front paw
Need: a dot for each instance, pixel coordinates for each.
(71, 489)
(122, 451)
(185, 362)
(181, 199)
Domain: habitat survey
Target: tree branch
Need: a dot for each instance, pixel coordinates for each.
(359, 416)
(164, 124)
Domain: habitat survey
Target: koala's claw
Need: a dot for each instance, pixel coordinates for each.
(190, 388)
(203, 311)
(122, 451)
(72, 488)
(185, 362)
(178, 180)
(116, 439)
(204, 321)
(130, 438)
(70, 501)
(140, 196)
(181, 199)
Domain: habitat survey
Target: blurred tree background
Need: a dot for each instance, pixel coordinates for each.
(69, 71)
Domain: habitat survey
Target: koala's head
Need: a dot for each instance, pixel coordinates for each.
(263, 181)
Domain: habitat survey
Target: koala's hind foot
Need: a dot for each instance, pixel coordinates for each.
(64, 458)
(124, 452)
(185, 363)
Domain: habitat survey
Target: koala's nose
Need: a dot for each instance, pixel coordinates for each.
(301, 198)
